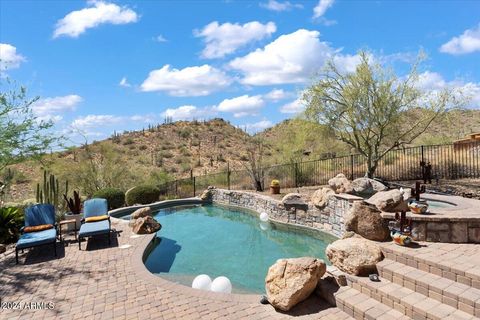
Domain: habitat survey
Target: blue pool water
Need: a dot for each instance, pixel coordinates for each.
(227, 242)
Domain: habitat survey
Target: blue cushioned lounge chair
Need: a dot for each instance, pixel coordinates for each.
(93, 208)
(36, 215)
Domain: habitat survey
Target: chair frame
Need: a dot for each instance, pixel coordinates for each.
(106, 232)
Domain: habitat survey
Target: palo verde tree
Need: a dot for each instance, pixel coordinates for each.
(22, 134)
(372, 109)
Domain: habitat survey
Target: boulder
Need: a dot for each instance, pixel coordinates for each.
(3, 248)
(340, 184)
(321, 196)
(294, 200)
(207, 195)
(366, 220)
(290, 281)
(140, 213)
(146, 225)
(389, 201)
(367, 186)
(356, 256)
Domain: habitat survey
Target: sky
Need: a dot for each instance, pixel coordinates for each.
(100, 66)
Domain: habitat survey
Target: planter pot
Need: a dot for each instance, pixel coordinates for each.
(77, 217)
(275, 189)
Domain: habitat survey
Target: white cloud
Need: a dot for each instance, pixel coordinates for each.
(321, 8)
(51, 108)
(223, 39)
(242, 106)
(98, 12)
(468, 42)
(278, 6)
(190, 81)
(434, 82)
(160, 38)
(124, 83)
(188, 112)
(91, 121)
(291, 58)
(9, 58)
(295, 106)
(259, 126)
(142, 118)
(277, 95)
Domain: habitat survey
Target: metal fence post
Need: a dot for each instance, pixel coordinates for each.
(228, 175)
(351, 167)
(193, 181)
(296, 174)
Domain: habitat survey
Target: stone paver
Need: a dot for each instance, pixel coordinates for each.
(111, 282)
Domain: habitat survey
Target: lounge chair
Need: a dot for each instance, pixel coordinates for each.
(96, 220)
(40, 228)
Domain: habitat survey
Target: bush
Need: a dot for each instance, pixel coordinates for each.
(11, 220)
(143, 194)
(115, 197)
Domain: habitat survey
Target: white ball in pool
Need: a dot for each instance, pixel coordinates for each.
(263, 225)
(221, 284)
(264, 216)
(202, 282)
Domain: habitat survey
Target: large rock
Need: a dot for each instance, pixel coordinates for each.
(367, 186)
(207, 195)
(340, 184)
(290, 281)
(294, 201)
(389, 201)
(321, 196)
(146, 225)
(366, 220)
(142, 212)
(354, 255)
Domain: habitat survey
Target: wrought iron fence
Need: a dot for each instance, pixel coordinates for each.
(449, 161)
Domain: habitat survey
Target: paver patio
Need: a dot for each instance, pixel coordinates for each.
(112, 283)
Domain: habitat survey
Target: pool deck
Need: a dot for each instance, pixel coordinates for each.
(111, 282)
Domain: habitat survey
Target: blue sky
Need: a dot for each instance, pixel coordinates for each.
(100, 66)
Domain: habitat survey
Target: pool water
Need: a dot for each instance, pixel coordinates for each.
(434, 204)
(220, 241)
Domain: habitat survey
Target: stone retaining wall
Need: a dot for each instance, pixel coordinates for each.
(329, 219)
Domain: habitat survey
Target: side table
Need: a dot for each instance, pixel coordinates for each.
(66, 222)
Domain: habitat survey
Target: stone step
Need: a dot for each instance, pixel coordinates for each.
(360, 306)
(447, 291)
(461, 265)
(413, 304)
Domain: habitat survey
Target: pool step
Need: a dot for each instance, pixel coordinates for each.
(447, 291)
(361, 306)
(462, 265)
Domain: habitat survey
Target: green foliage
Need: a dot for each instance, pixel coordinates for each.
(115, 197)
(22, 134)
(128, 141)
(48, 191)
(143, 194)
(11, 220)
(368, 109)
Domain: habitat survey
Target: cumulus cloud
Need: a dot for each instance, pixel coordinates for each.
(321, 8)
(291, 58)
(9, 58)
(467, 42)
(97, 13)
(188, 112)
(278, 6)
(124, 83)
(277, 94)
(295, 106)
(223, 39)
(52, 108)
(258, 126)
(91, 121)
(433, 82)
(242, 106)
(190, 81)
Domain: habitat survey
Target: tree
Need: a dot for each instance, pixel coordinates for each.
(22, 134)
(254, 165)
(372, 109)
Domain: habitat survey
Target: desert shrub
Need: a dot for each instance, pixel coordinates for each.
(143, 147)
(143, 194)
(166, 154)
(184, 133)
(115, 197)
(11, 220)
(128, 141)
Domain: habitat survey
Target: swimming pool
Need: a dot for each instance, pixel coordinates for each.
(221, 241)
